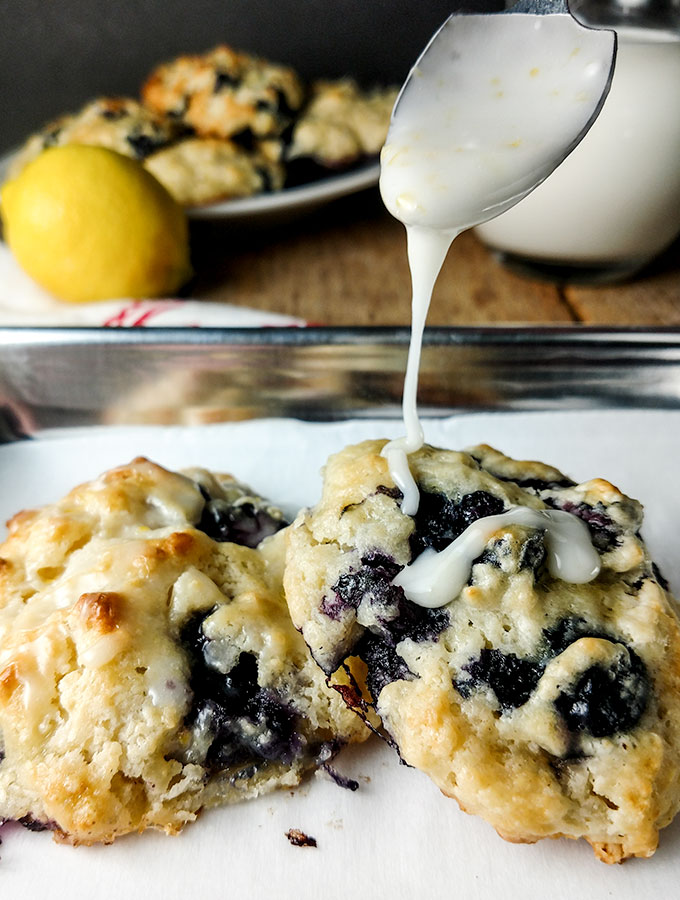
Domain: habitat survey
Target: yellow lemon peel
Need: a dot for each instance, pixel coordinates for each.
(87, 223)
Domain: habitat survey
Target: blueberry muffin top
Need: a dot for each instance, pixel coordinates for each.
(341, 123)
(224, 92)
(206, 170)
(148, 665)
(118, 123)
(549, 708)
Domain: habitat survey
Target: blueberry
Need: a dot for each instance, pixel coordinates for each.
(245, 720)
(143, 145)
(372, 583)
(265, 175)
(383, 664)
(374, 559)
(34, 824)
(440, 519)
(560, 636)
(420, 624)
(243, 523)
(479, 504)
(490, 557)
(393, 618)
(245, 140)
(500, 554)
(242, 774)
(603, 701)
(511, 678)
(282, 104)
(437, 523)
(604, 533)
(533, 553)
(606, 700)
(225, 80)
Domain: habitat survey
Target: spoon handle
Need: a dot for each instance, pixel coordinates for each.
(541, 7)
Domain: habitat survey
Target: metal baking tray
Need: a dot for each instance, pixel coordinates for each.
(60, 377)
(75, 377)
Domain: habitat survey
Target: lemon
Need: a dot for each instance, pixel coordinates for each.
(89, 224)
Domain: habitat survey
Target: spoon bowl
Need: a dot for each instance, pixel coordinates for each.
(493, 105)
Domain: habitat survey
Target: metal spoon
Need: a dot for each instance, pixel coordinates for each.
(493, 105)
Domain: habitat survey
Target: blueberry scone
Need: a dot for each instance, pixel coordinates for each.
(224, 92)
(118, 123)
(148, 665)
(342, 123)
(206, 170)
(543, 697)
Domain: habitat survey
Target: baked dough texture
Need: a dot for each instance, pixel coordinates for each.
(548, 708)
(225, 92)
(341, 123)
(148, 665)
(194, 170)
(225, 124)
(117, 123)
(206, 170)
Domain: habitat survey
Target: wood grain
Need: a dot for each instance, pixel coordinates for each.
(652, 298)
(346, 265)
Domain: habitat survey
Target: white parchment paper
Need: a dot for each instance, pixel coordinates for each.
(397, 836)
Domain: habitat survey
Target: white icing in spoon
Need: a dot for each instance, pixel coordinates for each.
(471, 134)
(434, 579)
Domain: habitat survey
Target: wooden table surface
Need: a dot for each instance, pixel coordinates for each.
(346, 265)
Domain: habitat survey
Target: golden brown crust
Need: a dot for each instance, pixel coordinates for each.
(341, 123)
(224, 92)
(548, 708)
(9, 681)
(117, 123)
(206, 170)
(101, 611)
(107, 605)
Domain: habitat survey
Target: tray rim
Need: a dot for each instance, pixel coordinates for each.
(316, 335)
(52, 376)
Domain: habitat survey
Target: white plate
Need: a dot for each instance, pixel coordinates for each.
(291, 201)
(278, 205)
(397, 837)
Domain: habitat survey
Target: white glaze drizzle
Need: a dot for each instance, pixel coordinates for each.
(436, 578)
(427, 251)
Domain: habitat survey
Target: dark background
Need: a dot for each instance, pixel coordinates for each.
(55, 55)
